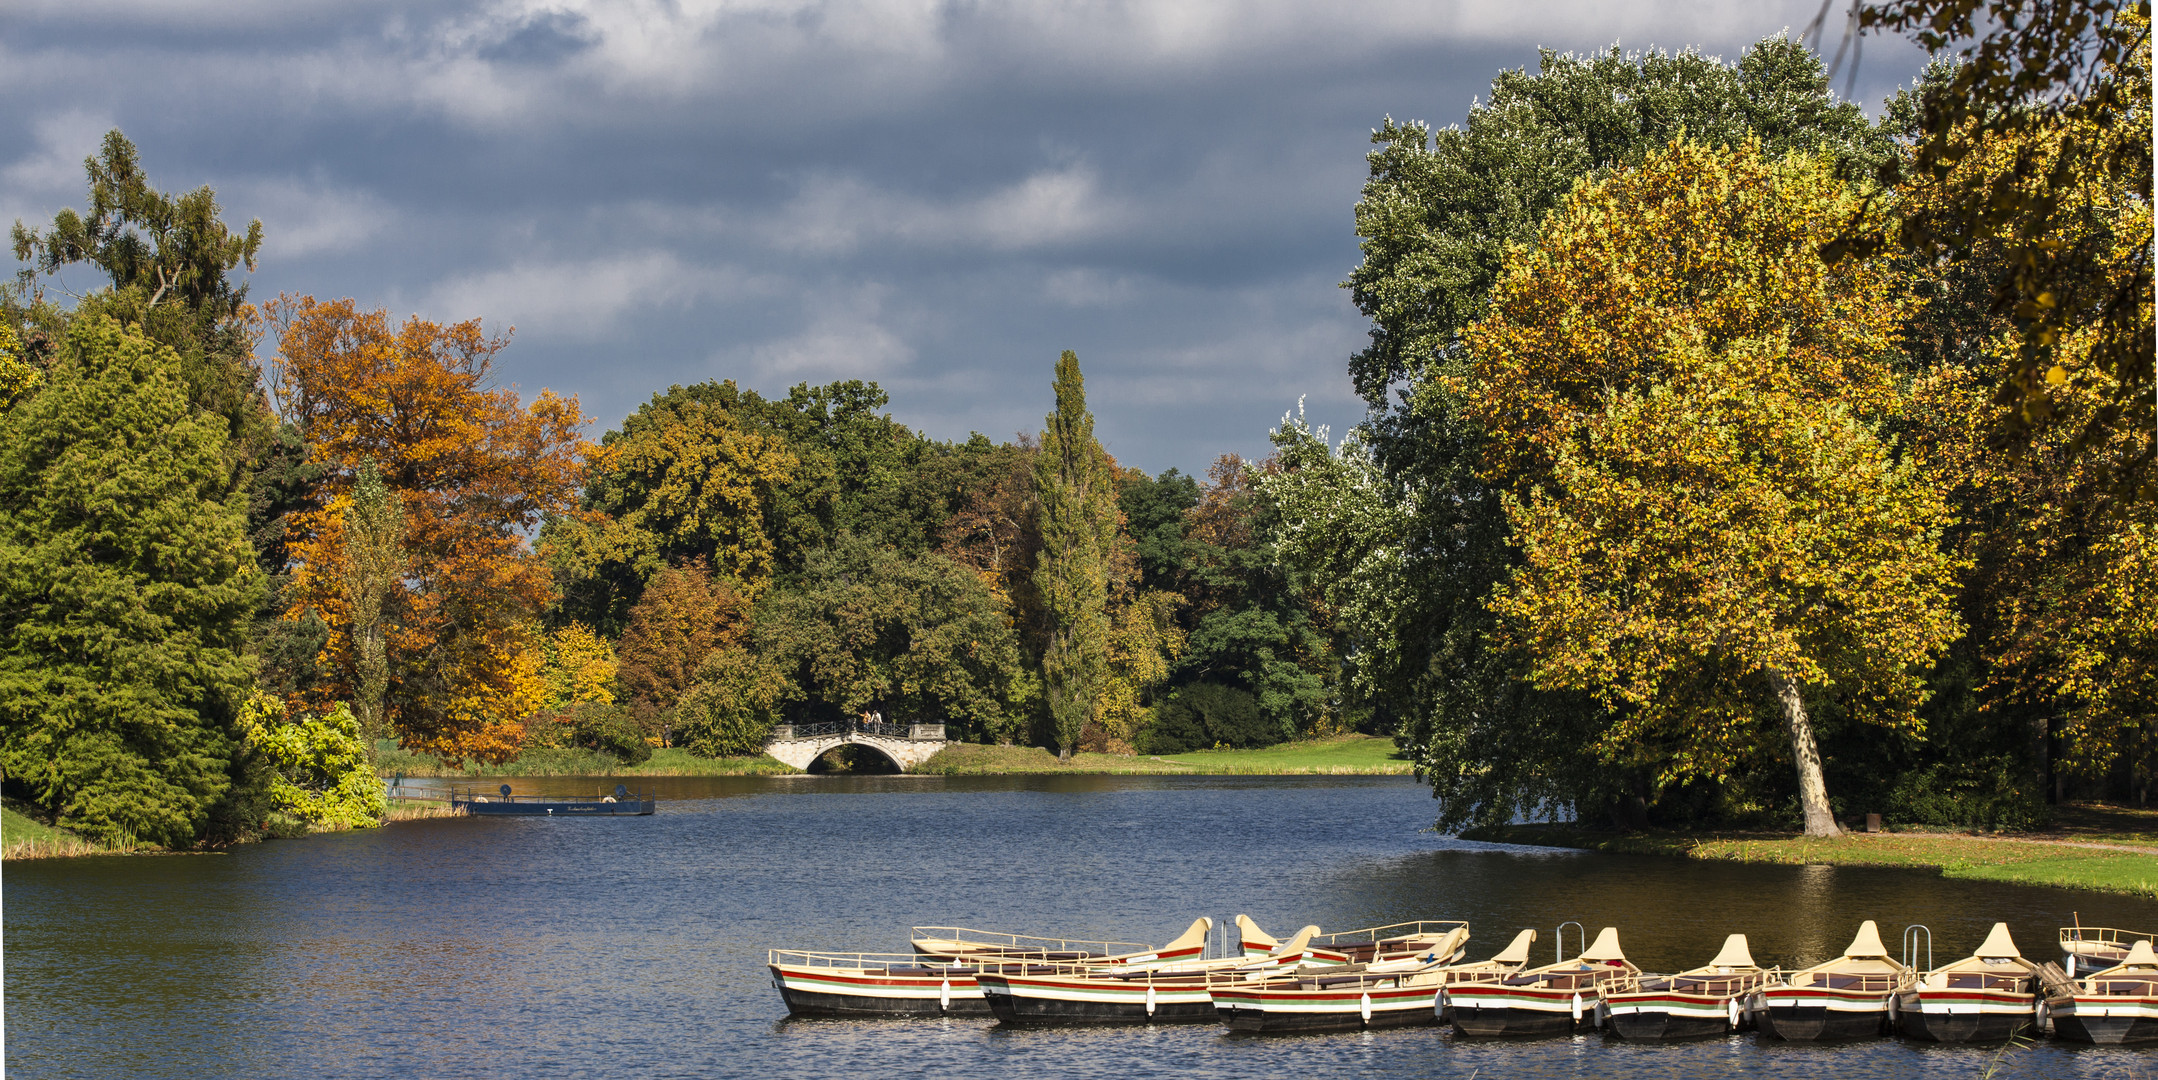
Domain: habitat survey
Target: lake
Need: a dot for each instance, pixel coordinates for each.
(635, 947)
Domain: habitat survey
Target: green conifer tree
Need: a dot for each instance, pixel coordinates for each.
(126, 584)
(1076, 489)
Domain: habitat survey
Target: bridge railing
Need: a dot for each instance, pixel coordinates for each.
(912, 732)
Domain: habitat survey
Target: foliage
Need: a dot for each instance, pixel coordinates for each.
(591, 725)
(1995, 794)
(18, 376)
(167, 257)
(1074, 483)
(917, 639)
(1203, 715)
(374, 533)
(1422, 536)
(578, 666)
(2057, 93)
(474, 469)
(1691, 381)
(126, 575)
(731, 710)
(684, 614)
(322, 774)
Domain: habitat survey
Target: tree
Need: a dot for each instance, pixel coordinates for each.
(918, 639)
(2058, 92)
(1075, 486)
(1705, 544)
(1423, 527)
(18, 376)
(127, 580)
(684, 614)
(579, 666)
(168, 258)
(1676, 386)
(474, 469)
(374, 533)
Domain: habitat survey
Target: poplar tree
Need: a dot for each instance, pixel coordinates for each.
(374, 534)
(127, 584)
(1076, 491)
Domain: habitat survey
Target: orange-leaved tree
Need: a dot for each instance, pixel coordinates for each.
(475, 470)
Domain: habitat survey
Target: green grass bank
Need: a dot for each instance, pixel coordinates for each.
(2100, 848)
(1348, 755)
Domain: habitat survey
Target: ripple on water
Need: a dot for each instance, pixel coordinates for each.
(635, 947)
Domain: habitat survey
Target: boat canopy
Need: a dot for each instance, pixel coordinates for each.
(1516, 953)
(1604, 948)
(1998, 945)
(1867, 943)
(1734, 954)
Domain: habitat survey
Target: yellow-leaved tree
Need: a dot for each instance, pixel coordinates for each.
(1683, 403)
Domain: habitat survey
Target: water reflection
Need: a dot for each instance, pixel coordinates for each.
(611, 947)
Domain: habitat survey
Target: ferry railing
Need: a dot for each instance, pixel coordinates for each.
(962, 936)
(1371, 935)
(880, 962)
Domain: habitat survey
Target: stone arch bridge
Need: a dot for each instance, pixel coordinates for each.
(906, 745)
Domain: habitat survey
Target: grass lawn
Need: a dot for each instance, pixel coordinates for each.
(2040, 858)
(23, 837)
(1347, 755)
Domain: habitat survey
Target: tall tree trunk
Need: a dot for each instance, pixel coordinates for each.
(1806, 752)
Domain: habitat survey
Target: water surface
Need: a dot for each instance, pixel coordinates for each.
(635, 947)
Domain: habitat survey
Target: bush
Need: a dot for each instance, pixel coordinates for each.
(322, 774)
(731, 710)
(608, 729)
(1204, 715)
(1973, 795)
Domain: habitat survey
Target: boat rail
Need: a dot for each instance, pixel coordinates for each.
(1417, 928)
(2102, 935)
(1025, 943)
(1868, 983)
(1738, 982)
(879, 962)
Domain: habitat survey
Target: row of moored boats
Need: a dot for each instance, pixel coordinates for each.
(1418, 973)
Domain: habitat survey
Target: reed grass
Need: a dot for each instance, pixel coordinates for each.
(24, 837)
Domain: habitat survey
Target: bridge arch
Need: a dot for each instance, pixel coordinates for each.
(906, 745)
(858, 750)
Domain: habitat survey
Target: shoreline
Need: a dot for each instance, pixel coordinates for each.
(1350, 755)
(2121, 861)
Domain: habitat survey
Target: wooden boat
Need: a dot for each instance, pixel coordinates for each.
(1082, 993)
(2085, 949)
(1986, 997)
(2111, 1007)
(1703, 1001)
(1387, 993)
(875, 984)
(621, 803)
(1846, 998)
(966, 943)
(1549, 1000)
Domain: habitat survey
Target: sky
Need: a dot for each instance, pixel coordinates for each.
(937, 196)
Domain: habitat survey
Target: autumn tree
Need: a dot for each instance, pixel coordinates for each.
(1076, 490)
(1771, 551)
(127, 580)
(684, 614)
(2058, 94)
(474, 470)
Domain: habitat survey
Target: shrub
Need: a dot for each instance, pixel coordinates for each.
(322, 774)
(1202, 715)
(1974, 795)
(608, 729)
(731, 710)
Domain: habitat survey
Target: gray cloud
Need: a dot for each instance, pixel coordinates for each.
(936, 195)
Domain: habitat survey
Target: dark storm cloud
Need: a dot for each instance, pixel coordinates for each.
(938, 196)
